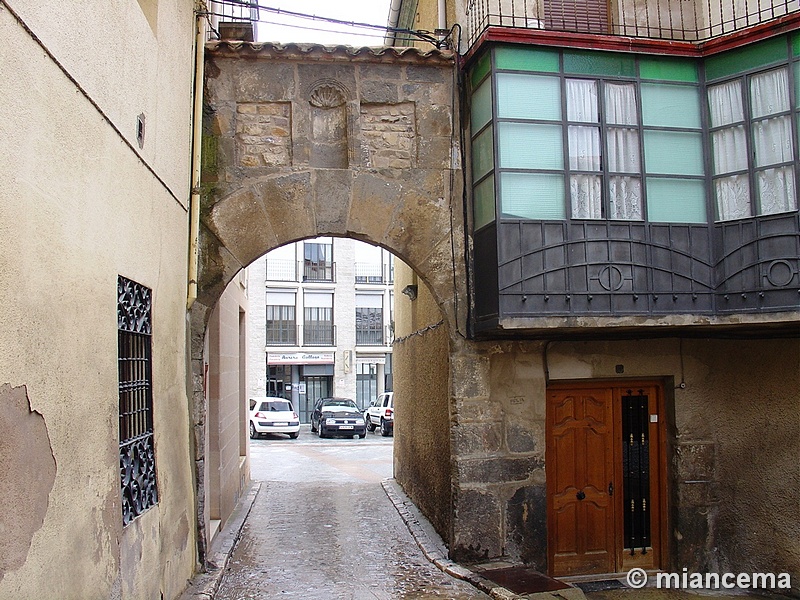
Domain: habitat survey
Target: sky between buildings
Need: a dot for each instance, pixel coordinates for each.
(285, 28)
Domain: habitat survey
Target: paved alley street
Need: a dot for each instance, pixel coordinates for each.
(322, 527)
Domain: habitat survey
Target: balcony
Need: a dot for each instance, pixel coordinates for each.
(690, 21)
(281, 269)
(281, 334)
(369, 273)
(319, 271)
(317, 333)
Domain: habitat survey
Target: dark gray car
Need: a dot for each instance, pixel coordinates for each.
(337, 416)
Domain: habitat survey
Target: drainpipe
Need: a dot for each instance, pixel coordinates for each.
(394, 16)
(197, 133)
(442, 14)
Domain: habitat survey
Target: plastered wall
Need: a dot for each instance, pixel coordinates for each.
(422, 453)
(80, 206)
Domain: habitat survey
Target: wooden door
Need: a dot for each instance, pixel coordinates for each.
(605, 475)
(580, 471)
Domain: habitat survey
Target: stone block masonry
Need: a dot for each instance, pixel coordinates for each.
(263, 134)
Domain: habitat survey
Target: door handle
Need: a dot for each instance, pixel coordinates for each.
(580, 495)
(611, 489)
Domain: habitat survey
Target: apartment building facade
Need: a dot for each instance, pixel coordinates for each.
(321, 322)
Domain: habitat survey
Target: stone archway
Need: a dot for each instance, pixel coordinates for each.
(305, 141)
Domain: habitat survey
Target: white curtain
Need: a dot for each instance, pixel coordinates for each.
(772, 141)
(585, 189)
(621, 104)
(625, 191)
(769, 93)
(582, 101)
(726, 108)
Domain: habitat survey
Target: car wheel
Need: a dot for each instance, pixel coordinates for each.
(370, 426)
(321, 433)
(253, 432)
(294, 435)
(361, 436)
(384, 428)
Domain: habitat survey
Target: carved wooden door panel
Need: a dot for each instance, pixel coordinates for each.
(580, 478)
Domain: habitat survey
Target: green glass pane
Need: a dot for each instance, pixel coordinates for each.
(483, 209)
(599, 63)
(528, 97)
(482, 155)
(526, 59)
(744, 59)
(670, 105)
(481, 106)
(676, 200)
(673, 152)
(797, 85)
(479, 70)
(668, 69)
(532, 196)
(796, 44)
(529, 146)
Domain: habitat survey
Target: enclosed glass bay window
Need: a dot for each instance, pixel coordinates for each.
(587, 135)
(752, 113)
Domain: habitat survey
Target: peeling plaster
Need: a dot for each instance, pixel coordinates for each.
(27, 474)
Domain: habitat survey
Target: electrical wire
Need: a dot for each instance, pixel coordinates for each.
(248, 7)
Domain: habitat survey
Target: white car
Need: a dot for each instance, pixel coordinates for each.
(380, 414)
(273, 415)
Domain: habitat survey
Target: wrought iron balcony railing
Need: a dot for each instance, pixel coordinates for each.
(319, 271)
(319, 334)
(282, 334)
(684, 20)
(369, 273)
(279, 269)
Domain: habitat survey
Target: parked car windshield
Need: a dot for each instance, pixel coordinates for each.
(276, 405)
(347, 403)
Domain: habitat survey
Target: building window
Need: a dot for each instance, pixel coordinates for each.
(281, 324)
(366, 383)
(589, 136)
(134, 359)
(369, 320)
(317, 261)
(318, 327)
(752, 145)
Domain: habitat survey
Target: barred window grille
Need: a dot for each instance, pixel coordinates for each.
(136, 449)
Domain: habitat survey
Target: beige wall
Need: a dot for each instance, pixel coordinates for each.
(422, 401)
(227, 469)
(79, 207)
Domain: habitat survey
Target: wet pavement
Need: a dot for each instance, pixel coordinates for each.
(324, 520)
(322, 527)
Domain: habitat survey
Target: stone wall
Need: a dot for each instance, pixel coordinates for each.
(734, 436)
(372, 155)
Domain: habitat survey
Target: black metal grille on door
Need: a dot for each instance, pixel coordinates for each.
(636, 470)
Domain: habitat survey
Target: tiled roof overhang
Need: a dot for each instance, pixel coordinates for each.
(319, 52)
